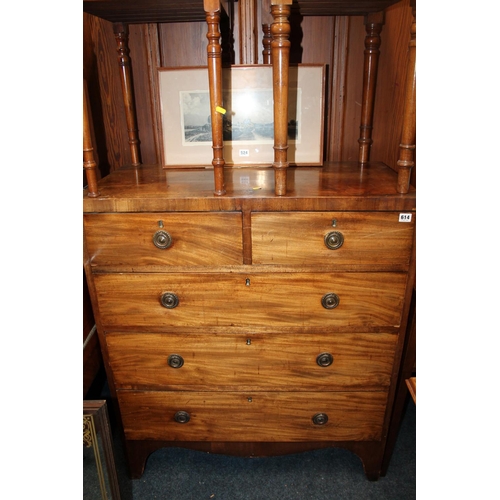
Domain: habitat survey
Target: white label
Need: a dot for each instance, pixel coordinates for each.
(404, 217)
(244, 180)
(244, 152)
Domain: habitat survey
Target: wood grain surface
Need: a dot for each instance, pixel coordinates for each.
(253, 416)
(286, 299)
(237, 361)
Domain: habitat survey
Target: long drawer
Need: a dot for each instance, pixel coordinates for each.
(245, 299)
(237, 361)
(252, 416)
(163, 239)
(331, 238)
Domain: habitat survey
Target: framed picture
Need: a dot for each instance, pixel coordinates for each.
(248, 120)
(100, 478)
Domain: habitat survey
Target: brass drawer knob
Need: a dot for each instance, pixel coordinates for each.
(162, 239)
(320, 419)
(169, 300)
(334, 240)
(175, 361)
(330, 301)
(324, 359)
(182, 417)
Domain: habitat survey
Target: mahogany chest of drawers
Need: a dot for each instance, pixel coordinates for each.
(250, 323)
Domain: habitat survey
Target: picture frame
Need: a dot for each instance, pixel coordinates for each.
(248, 119)
(100, 478)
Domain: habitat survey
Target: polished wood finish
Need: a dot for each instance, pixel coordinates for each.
(373, 24)
(371, 240)
(252, 361)
(253, 416)
(333, 39)
(335, 186)
(368, 301)
(266, 300)
(125, 241)
(280, 59)
(89, 164)
(121, 35)
(408, 137)
(215, 87)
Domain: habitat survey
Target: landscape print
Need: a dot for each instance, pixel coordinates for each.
(248, 118)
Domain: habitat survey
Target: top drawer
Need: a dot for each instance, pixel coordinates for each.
(323, 238)
(163, 239)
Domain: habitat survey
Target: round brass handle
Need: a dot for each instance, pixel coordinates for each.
(162, 239)
(324, 359)
(182, 417)
(330, 301)
(169, 300)
(320, 419)
(334, 240)
(175, 361)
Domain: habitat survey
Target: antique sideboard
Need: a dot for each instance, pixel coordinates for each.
(258, 310)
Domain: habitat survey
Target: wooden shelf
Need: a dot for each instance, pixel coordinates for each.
(147, 11)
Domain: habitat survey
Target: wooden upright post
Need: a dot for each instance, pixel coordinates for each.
(89, 164)
(408, 136)
(214, 60)
(373, 26)
(121, 35)
(280, 57)
(266, 30)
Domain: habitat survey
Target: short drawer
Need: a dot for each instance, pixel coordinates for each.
(138, 240)
(252, 416)
(340, 238)
(254, 360)
(355, 300)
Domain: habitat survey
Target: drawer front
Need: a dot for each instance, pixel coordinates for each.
(185, 239)
(234, 361)
(301, 238)
(257, 416)
(259, 299)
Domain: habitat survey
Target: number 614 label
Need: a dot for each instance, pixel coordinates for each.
(404, 217)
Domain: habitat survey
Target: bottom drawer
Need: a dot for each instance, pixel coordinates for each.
(258, 416)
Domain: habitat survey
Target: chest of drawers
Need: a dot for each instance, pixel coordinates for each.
(252, 324)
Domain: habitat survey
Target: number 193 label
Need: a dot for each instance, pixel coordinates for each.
(404, 217)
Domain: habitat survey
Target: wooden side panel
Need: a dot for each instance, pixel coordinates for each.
(110, 109)
(125, 241)
(256, 416)
(239, 361)
(298, 238)
(257, 299)
(183, 44)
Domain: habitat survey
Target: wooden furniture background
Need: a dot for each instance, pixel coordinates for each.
(337, 41)
(342, 107)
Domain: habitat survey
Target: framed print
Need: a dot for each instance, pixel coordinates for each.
(248, 120)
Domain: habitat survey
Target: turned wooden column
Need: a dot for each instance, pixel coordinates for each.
(408, 136)
(121, 35)
(89, 164)
(212, 11)
(280, 58)
(267, 20)
(373, 26)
